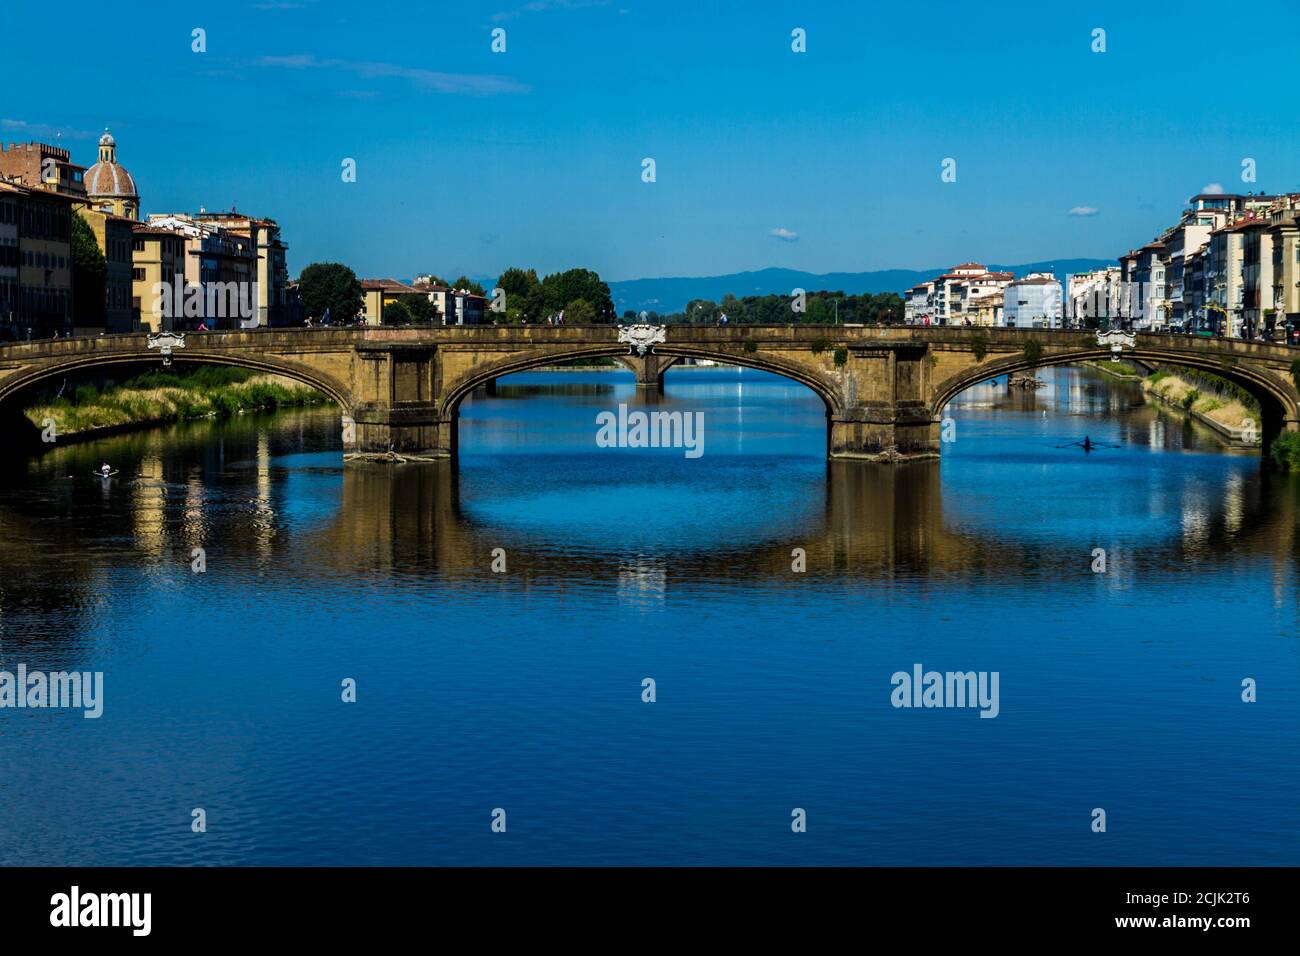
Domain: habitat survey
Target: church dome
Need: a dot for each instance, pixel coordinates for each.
(108, 179)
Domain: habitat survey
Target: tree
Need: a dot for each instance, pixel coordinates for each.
(561, 288)
(464, 282)
(89, 272)
(524, 300)
(397, 313)
(517, 282)
(421, 309)
(333, 286)
(579, 312)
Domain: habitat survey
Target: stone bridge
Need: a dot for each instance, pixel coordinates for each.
(885, 388)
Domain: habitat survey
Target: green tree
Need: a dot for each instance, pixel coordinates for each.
(464, 282)
(397, 312)
(580, 312)
(89, 272)
(561, 288)
(524, 299)
(517, 282)
(333, 286)
(421, 309)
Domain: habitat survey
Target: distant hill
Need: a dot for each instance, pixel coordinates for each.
(670, 294)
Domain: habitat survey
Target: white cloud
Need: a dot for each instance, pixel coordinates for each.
(1215, 189)
(42, 131)
(1083, 211)
(484, 84)
(785, 235)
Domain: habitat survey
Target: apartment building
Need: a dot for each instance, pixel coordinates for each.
(980, 299)
(272, 276)
(9, 295)
(1034, 302)
(157, 258)
(115, 238)
(1094, 297)
(918, 304)
(1284, 223)
(42, 185)
(217, 287)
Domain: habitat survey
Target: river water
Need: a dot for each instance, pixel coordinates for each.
(521, 689)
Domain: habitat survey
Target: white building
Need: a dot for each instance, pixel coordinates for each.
(1094, 296)
(981, 299)
(918, 304)
(946, 300)
(1033, 302)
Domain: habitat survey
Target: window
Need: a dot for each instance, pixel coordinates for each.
(137, 275)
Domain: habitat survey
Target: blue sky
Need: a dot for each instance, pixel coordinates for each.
(471, 161)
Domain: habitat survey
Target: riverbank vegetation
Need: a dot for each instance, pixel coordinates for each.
(1119, 369)
(1207, 396)
(1286, 451)
(163, 396)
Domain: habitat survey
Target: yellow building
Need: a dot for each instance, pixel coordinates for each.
(114, 236)
(158, 256)
(46, 185)
(380, 293)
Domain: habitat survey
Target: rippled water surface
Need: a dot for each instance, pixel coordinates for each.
(522, 690)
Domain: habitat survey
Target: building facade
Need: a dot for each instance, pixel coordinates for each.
(1034, 302)
(379, 293)
(115, 238)
(216, 289)
(1284, 223)
(157, 258)
(272, 272)
(9, 288)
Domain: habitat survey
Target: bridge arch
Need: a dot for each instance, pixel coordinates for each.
(456, 392)
(40, 373)
(1278, 399)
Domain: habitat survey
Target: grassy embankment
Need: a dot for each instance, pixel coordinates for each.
(164, 396)
(1221, 404)
(1117, 369)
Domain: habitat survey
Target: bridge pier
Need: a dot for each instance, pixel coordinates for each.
(649, 369)
(20, 436)
(883, 432)
(888, 417)
(412, 430)
(396, 386)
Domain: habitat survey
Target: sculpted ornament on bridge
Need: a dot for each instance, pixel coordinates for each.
(165, 342)
(642, 336)
(1117, 340)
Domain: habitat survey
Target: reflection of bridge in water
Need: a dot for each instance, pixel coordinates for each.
(62, 548)
(875, 524)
